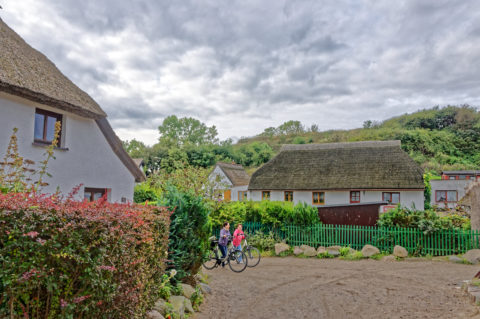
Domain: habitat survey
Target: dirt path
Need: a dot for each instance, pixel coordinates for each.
(321, 288)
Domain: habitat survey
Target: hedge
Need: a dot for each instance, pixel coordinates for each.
(272, 213)
(66, 259)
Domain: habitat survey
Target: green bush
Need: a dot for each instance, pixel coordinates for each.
(427, 221)
(67, 259)
(190, 229)
(264, 242)
(144, 192)
(272, 213)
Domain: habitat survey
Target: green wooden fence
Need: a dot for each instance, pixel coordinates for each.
(440, 243)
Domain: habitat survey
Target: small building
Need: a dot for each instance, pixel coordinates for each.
(449, 190)
(231, 180)
(34, 95)
(341, 174)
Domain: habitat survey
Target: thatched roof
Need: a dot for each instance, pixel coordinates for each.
(358, 165)
(28, 73)
(235, 173)
(138, 161)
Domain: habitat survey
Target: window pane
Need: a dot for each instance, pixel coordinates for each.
(98, 195)
(315, 198)
(322, 198)
(441, 196)
(452, 196)
(87, 196)
(50, 128)
(452, 177)
(39, 121)
(395, 198)
(387, 197)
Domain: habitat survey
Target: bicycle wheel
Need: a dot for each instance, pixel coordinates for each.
(237, 261)
(253, 256)
(211, 260)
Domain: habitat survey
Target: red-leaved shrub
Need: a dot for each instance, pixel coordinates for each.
(61, 258)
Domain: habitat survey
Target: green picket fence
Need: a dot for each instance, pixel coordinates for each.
(440, 243)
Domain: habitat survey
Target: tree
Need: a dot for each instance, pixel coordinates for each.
(314, 128)
(184, 131)
(367, 124)
(135, 149)
(291, 128)
(269, 132)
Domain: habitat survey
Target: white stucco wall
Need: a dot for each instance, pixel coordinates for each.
(89, 159)
(237, 189)
(407, 198)
(448, 185)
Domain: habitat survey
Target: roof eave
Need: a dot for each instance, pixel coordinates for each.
(46, 100)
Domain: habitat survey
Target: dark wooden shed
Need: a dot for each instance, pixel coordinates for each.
(363, 214)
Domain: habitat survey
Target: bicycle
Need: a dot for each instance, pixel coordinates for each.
(236, 259)
(252, 253)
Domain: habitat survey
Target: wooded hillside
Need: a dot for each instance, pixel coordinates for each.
(438, 139)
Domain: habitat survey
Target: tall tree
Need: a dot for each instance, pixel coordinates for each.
(184, 131)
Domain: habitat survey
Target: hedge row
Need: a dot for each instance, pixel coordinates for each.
(266, 212)
(68, 259)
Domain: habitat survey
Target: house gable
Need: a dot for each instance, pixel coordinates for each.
(29, 75)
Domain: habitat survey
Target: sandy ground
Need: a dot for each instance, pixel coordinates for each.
(322, 288)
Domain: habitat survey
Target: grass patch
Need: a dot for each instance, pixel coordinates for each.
(325, 255)
(378, 256)
(355, 256)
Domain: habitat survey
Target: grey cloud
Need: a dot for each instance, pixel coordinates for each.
(246, 61)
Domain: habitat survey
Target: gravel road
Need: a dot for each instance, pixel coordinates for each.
(332, 288)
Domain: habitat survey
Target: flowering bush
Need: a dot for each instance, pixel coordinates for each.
(66, 259)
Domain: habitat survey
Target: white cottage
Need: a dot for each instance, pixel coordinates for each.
(232, 180)
(34, 95)
(341, 174)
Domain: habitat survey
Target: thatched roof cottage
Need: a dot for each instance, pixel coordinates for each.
(231, 179)
(341, 174)
(34, 95)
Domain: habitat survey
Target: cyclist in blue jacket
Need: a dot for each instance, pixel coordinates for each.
(223, 240)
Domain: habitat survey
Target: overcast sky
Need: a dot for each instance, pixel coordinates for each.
(246, 65)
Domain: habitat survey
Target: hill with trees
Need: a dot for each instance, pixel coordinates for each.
(440, 138)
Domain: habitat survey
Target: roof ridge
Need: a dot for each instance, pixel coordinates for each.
(342, 145)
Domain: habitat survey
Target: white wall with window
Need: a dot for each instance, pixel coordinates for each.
(84, 156)
(446, 193)
(408, 198)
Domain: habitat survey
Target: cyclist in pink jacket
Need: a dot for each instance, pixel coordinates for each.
(238, 236)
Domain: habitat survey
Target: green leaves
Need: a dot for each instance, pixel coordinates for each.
(189, 231)
(427, 221)
(272, 213)
(178, 132)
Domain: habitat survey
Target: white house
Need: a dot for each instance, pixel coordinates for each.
(448, 191)
(232, 180)
(34, 95)
(341, 174)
